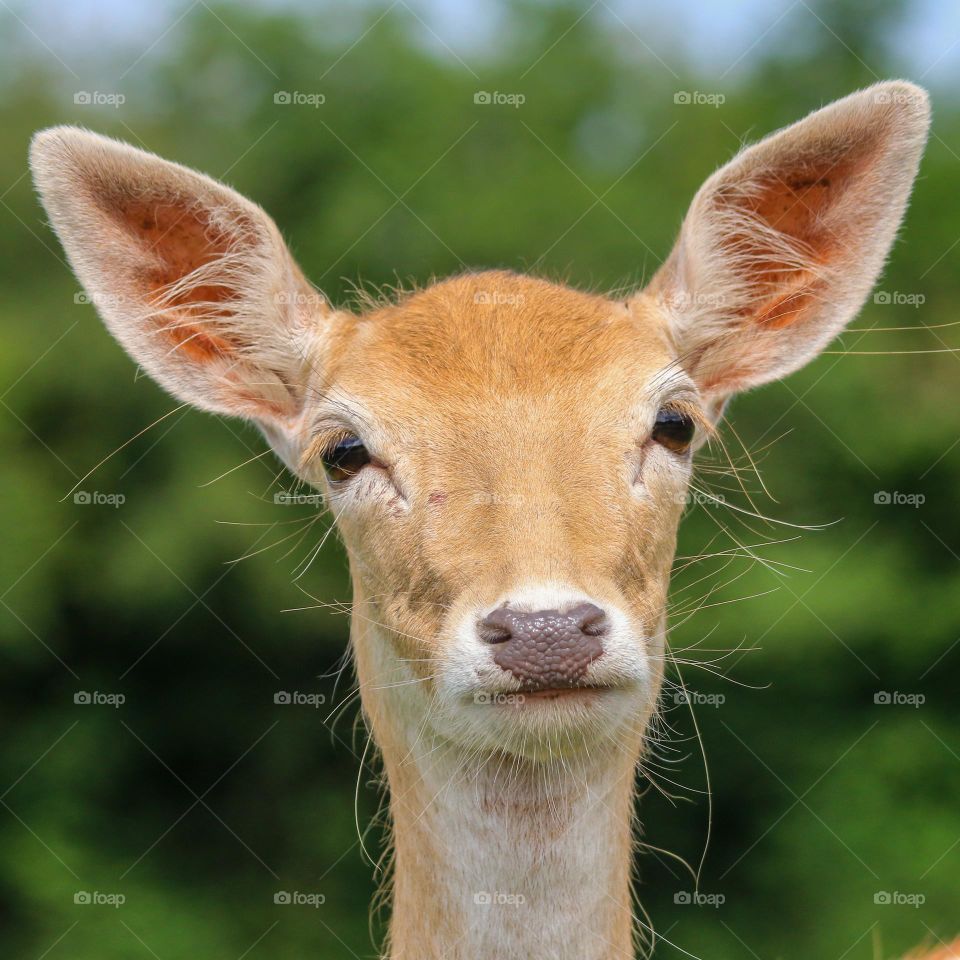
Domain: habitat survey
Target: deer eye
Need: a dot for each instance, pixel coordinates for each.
(674, 430)
(345, 458)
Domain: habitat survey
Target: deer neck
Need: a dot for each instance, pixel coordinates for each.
(495, 857)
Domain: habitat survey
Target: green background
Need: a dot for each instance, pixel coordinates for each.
(199, 798)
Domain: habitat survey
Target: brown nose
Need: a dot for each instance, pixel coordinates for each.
(546, 649)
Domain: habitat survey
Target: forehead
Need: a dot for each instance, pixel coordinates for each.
(493, 340)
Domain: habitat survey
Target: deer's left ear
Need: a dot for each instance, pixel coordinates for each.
(782, 245)
(192, 278)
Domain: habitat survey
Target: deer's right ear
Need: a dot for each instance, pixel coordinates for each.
(193, 279)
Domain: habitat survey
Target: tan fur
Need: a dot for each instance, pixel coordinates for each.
(509, 422)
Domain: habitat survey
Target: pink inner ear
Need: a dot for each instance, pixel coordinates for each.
(178, 238)
(795, 201)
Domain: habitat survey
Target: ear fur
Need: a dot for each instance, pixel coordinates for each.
(782, 245)
(192, 279)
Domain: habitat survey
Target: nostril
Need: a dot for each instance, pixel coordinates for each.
(504, 623)
(591, 620)
(495, 627)
(545, 649)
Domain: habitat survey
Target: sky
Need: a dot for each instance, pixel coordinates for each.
(717, 34)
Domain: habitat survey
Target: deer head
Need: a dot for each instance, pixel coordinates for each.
(506, 458)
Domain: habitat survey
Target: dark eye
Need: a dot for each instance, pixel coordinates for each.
(673, 430)
(345, 459)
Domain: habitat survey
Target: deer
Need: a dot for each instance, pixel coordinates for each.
(506, 459)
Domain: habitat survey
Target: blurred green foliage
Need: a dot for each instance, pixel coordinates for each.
(199, 798)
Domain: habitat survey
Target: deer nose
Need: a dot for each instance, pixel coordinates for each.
(545, 649)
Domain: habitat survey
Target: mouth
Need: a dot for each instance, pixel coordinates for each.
(553, 693)
(573, 693)
(540, 722)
